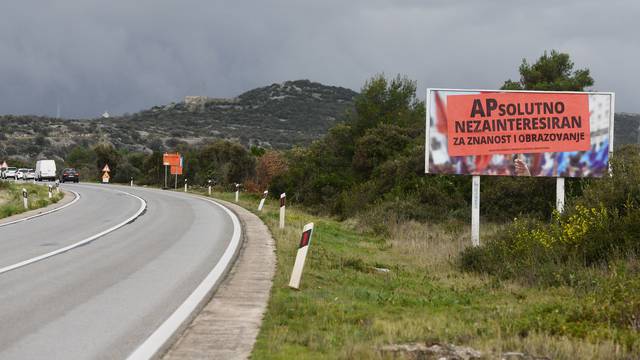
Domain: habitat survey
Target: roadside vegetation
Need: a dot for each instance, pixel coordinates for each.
(563, 286)
(349, 305)
(11, 198)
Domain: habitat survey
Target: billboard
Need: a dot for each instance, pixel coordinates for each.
(525, 133)
(174, 161)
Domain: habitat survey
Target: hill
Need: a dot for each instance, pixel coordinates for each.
(626, 129)
(274, 116)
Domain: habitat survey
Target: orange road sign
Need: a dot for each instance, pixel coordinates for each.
(176, 170)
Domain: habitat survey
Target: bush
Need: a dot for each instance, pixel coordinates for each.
(600, 228)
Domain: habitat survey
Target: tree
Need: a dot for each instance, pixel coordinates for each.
(269, 165)
(79, 156)
(107, 154)
(552, 71)
(387, 102)
(224, 161)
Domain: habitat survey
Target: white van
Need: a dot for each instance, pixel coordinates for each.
(45, 170)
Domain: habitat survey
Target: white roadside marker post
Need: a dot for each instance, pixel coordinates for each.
(185, 185)
(283, 201)
(475, 211)
(264, 197)
(237, 192)
(301, 256)
(560, 194)
(25, 198)
(132, 181)
(50, 191)
(209, 187)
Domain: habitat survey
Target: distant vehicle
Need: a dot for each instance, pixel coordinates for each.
(45, 170)
(10, 173)
(30, 174)
(69, 174)
(21, 173)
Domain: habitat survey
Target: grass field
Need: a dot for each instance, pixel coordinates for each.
(347, 309)
(11, 197)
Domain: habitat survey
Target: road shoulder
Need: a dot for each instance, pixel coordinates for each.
(68, 197)
(228, 325)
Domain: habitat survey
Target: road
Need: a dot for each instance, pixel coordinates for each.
(102, 299)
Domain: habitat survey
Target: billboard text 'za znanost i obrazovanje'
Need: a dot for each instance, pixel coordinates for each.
(526, 133)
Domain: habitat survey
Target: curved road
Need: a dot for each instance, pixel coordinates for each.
(103, 299)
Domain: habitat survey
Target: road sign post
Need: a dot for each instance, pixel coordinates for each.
(560, 194)
(166, 167)
(264, 197)
(283, 201)
(301, 256)
(25, 198)
(475, 211)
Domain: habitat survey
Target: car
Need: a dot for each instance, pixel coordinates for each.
(21, 173)
(45, 170)
(10, 173)
(69, 174)
(30, 174)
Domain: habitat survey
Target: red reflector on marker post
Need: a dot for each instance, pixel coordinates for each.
(283, 201)
(301, 256)
(264, 197)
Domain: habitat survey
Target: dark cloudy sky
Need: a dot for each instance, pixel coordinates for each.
(125, 55)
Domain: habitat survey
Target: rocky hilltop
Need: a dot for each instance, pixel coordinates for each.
(274, 116)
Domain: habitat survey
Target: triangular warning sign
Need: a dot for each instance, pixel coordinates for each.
(106, 168)
(4, 165)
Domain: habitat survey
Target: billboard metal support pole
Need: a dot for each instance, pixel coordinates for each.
(475, 211)
(560, 194)
(165, 176)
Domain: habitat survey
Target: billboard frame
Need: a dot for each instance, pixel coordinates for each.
(427, 147)
(475, 194)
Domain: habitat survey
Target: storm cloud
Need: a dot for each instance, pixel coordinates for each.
(89, 56)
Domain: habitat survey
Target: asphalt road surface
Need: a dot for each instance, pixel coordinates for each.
(102, 299)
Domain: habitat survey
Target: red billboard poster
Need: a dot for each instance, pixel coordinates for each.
(527, 133)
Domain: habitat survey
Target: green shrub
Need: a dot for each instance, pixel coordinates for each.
(600, 228)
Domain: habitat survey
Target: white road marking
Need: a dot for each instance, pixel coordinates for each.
(44, 213)
(158, 340)
(143, 206)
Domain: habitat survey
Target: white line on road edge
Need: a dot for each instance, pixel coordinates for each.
(44, 213)
(158, 340)
(143, 206)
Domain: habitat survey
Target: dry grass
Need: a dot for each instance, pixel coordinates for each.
(4, 197)
(347, 310)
